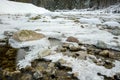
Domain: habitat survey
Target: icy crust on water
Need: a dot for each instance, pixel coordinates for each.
(86, 69)
(35, 48)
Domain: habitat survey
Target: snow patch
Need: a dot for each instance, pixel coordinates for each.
(111, 24)
(10, 7)
(90, 21)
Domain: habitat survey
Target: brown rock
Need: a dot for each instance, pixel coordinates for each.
(111, 55)
(104, 53)
(72, 39)
(27, 35)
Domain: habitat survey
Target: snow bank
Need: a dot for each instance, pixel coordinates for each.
(35, 49)
(10, 7)
(111, 24)
(90, 21)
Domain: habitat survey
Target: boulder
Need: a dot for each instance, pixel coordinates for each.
(27, 35)
(101, 44)
(104, 53)
(74, 47)
(72, 39)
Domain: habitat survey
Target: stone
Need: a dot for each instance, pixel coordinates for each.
(62, 49)
(26, 77)
(37, 75)
(104, 53)
(27, 35)
(111, 55)
(76, 74)
(62, 61)
(74, 47)
(81, 54)
(65, 45)
(51, 65)
(44, 53)
(72, 39)
(8, 33)
(117, 76)
(101, 44)
(108, 64)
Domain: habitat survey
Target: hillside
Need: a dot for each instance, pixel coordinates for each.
(10, 7)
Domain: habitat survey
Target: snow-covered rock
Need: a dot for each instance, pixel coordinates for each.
(111, 24)
(10, 7)
(90, 21)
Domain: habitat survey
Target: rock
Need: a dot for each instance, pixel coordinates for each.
(44, 53)
(117, 76)
(93, 58)
(8, 33)
(65, 45)
(51, 65)
(111, 24)
(107, 53)
(111, 55)
(115, 37)
(26, 77)
(81, 54)
(115, 32)
(72, 39)
(62, 61)
(74, 47)
(101, 44)
(37, 75)
(27, 35)
(76, 74)
(104, 53)
(108, 64)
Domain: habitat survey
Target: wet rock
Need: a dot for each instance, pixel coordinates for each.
(52, 71)
(115, 37)
(27, 35)
(8, 58)
(117, 76)
(72, 39)
(101, 44)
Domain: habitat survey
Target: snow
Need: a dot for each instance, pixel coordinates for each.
(10, 7)
(111, 24)
(86, 69)
(90, 21)
(60, 25)
(35, 48)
